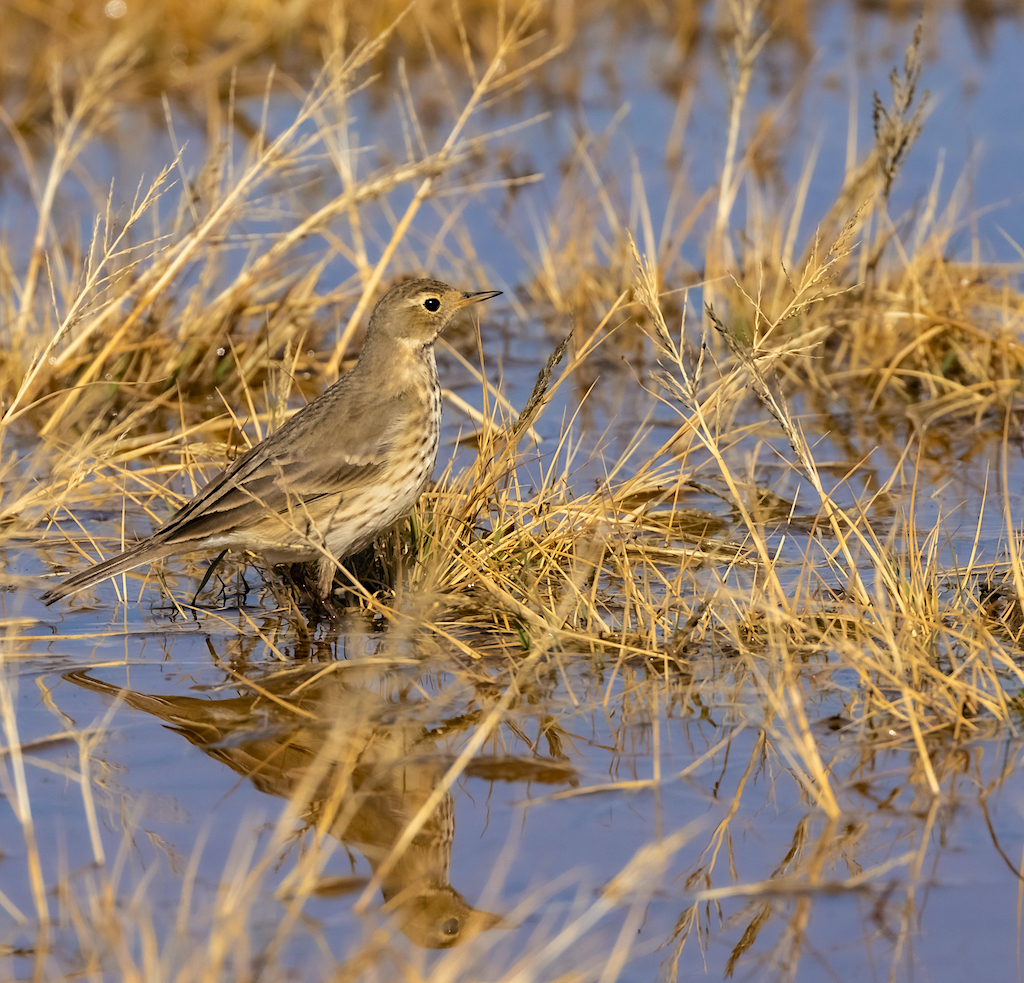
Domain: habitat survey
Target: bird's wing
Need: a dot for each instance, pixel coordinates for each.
(323, 450)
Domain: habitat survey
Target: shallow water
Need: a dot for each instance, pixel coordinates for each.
(905, 882)
(754, 880)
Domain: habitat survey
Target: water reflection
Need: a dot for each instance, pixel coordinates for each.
(766, 885)
(352, 761)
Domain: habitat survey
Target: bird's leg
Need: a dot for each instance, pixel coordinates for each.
(288, 583)
(318, 600)
(299, 594)
(325, 570)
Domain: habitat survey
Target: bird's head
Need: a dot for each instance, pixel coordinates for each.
(414, 313)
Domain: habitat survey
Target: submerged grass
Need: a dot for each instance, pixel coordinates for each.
(140, 354)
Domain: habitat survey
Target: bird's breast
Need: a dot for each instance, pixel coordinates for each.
(405, 471)
(414, 451)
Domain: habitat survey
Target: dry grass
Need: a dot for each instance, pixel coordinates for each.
(143, 349)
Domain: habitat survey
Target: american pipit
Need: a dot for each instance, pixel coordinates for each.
(340, 471)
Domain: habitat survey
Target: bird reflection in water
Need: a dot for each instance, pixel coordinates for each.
(341, 729)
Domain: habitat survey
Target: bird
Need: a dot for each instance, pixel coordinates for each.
(342, 470)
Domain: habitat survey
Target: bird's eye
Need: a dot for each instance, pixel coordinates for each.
(431, 304)
(450, 927)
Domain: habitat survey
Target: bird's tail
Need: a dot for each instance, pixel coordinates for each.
(140, 553)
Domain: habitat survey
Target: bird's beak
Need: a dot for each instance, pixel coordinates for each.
(476, 298)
